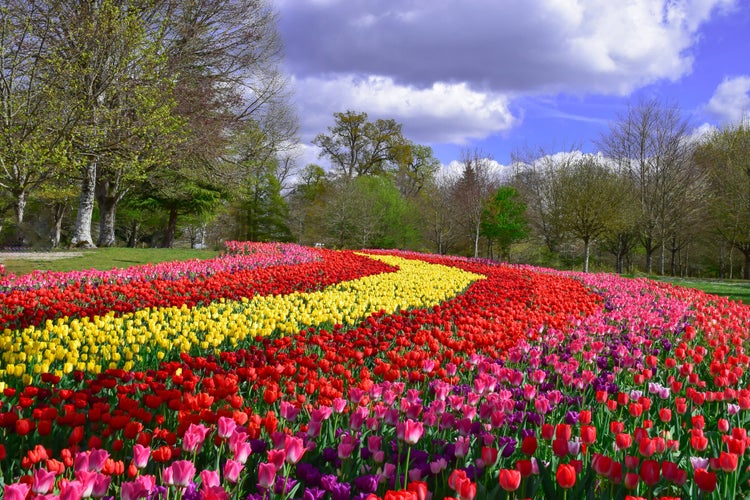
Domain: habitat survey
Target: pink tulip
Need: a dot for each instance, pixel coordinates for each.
(141, 455)
(462, 446)
(87, 480)
(43, 481)
(288, 411)
(339, 404)
(71, 490)
(132, 490)
(232, 470)
(194, 437)
(266, 475)
(210, 478)
(412, 431)
(97, 459)
(101, 485)
(180, 473)
(294, 448)
(226, 427)
(16, 491)
(241, 452)
(276, 457)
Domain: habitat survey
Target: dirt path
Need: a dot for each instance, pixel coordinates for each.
(38, 255)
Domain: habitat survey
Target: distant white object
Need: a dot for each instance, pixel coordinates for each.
(319, 245)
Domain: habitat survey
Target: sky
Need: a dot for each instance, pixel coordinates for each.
(500, 77)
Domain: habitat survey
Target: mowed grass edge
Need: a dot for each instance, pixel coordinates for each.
(100, 258)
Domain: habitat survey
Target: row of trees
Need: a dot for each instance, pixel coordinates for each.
(654, 199)
(653, 196)
(159, 108)
(160, 119)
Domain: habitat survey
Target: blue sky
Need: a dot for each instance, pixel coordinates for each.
(499, 76)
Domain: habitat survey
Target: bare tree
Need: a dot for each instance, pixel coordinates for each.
(648, 144)
(475, 185)
(440, 214)
(534, 174)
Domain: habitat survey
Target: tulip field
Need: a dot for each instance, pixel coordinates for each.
(277, 371)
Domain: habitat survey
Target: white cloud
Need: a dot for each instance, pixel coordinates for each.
(451, 113)
(730, 102)
(507, 46)
(454, 169)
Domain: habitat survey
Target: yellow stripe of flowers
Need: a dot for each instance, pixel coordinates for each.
(138, 339)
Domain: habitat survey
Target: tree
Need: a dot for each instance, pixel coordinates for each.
(369, 211)
(649, 145)
(503, 220)
(534, 176)
(416, 167)
(307, 205)
(592, 200)
(356, 146)
(33, 145)
(439, 214)
(470, 192)
(725, 157)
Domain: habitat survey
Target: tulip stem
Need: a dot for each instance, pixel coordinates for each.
(406, 467)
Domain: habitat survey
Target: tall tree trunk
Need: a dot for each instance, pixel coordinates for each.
(107, 217)
(82, 229)
(171, 229)
(133, 236)
(746, 273)
(59, 211)
(586, 252)
(107, 196)
(663, 257)
(20, 206)
(476, 242)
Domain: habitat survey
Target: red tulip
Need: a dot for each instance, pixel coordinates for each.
(665, 414)
(528, 445)
(705, 480)
(588, 434)
(509, 479)
(650, 472)
(623, 441)
(566, 476)
(728, 461)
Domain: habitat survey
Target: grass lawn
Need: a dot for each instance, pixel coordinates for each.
(100, 258)
(735, 290)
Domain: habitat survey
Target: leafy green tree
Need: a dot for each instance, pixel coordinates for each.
(307, 205)
(356, 146)
(369, 211)
(725, 156)
(592, 200)
(504, 219)
(262, 212)
(416, 167)
(33, 126)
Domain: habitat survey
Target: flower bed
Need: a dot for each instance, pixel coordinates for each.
(518, 381)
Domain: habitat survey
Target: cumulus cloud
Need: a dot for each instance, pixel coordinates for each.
(443, 112)
(508, 46)
(730, 102)
(453, 71)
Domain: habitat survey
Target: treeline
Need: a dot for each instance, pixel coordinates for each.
(150, 122)
(140, 118)
(656, 199)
